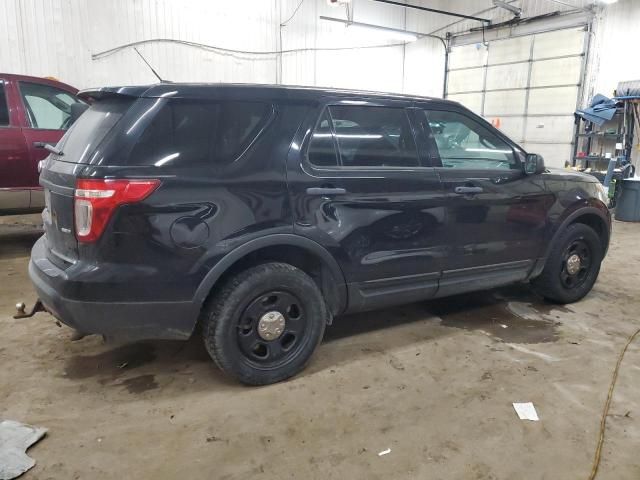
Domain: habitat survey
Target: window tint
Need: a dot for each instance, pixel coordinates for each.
(322, 148)
(93, 125)
(190, 132)
(464, 143)
(4, 109)
(373, 136)
(47, 107)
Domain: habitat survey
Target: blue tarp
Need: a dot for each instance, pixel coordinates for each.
(601, 110)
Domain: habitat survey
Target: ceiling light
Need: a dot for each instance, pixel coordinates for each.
(377, 30)
(383, 33)
(608, 2)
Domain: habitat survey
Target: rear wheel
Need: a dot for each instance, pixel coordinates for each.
(265, 323)
(572, 266)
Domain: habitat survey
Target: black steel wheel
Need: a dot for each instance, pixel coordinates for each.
(272, 327)
(572, 265)
(576, 261)
(263, 325)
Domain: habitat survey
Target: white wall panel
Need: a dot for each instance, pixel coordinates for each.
(513, 50)
(473, 101)
(512, 127)
(561, 42)
(424, 67)
(549, 129)
(555, 155)
(466, 80)
(561, 71)
(507, 76)
(468, 56)
(504, 103)
(550, 101)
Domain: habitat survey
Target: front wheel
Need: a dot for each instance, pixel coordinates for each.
(572, 266)
(263, 325)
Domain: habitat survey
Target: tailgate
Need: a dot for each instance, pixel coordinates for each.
(58, 180)
(58, 177)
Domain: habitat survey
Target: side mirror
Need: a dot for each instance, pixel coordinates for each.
(533, 164)
(77, 109)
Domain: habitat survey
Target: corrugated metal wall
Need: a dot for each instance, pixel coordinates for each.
(59, 37)
(616, 37)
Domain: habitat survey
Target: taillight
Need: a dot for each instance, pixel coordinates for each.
(96, 200)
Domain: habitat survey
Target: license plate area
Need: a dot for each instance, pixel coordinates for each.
(46, 213)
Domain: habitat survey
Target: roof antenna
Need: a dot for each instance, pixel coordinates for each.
(150, 67)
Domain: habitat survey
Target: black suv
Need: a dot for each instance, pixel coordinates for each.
(259, 213)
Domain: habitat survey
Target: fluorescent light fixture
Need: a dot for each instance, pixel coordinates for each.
(383, 33)
(377, 30)
(608, 2)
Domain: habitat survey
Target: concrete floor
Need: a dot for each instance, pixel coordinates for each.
(432, 381)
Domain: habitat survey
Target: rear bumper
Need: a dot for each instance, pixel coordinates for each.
(128, 320)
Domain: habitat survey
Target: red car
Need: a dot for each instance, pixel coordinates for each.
(34, 113)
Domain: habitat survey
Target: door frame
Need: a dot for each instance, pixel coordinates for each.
(378, 292)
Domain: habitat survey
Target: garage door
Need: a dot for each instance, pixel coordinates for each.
(527, 86)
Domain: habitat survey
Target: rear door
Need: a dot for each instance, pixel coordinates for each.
(14, 155)
(495, 214)
(48, 113)
(359, 188)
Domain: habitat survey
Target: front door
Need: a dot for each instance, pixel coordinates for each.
(495, 213)
(359, 188)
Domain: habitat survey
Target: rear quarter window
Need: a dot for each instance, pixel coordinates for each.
(195, 132)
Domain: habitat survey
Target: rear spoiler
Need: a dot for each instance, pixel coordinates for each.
(110, 92)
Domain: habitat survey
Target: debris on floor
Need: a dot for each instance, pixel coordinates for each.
(15, 439)
(526, 411)
(384, 452)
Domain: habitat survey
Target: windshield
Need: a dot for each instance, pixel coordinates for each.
(90, 129)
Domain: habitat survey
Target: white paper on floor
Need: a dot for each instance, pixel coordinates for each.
(526, 411)
(15, 438)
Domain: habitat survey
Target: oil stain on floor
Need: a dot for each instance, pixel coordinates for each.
(111, 363)
(140, 384)
(512, 315)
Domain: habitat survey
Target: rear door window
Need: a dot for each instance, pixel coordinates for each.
(193, 132)
(322, 147)
(47, 107)
(366, 136)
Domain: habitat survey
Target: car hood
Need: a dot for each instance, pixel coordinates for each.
(569, 175)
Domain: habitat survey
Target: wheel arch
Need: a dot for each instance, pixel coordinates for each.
(296, 250)
(596, 217)
(591, 216)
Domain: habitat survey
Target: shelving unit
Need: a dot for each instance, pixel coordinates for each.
(592, 143)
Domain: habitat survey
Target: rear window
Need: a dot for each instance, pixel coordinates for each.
(88, 131)
(195, 132)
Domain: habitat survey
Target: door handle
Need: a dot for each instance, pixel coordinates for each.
(467, 190)
(325, 191)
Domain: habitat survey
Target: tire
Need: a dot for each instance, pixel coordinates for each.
(557, 282)
(251, 301)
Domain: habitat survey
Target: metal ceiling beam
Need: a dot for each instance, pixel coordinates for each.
(434, 10)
